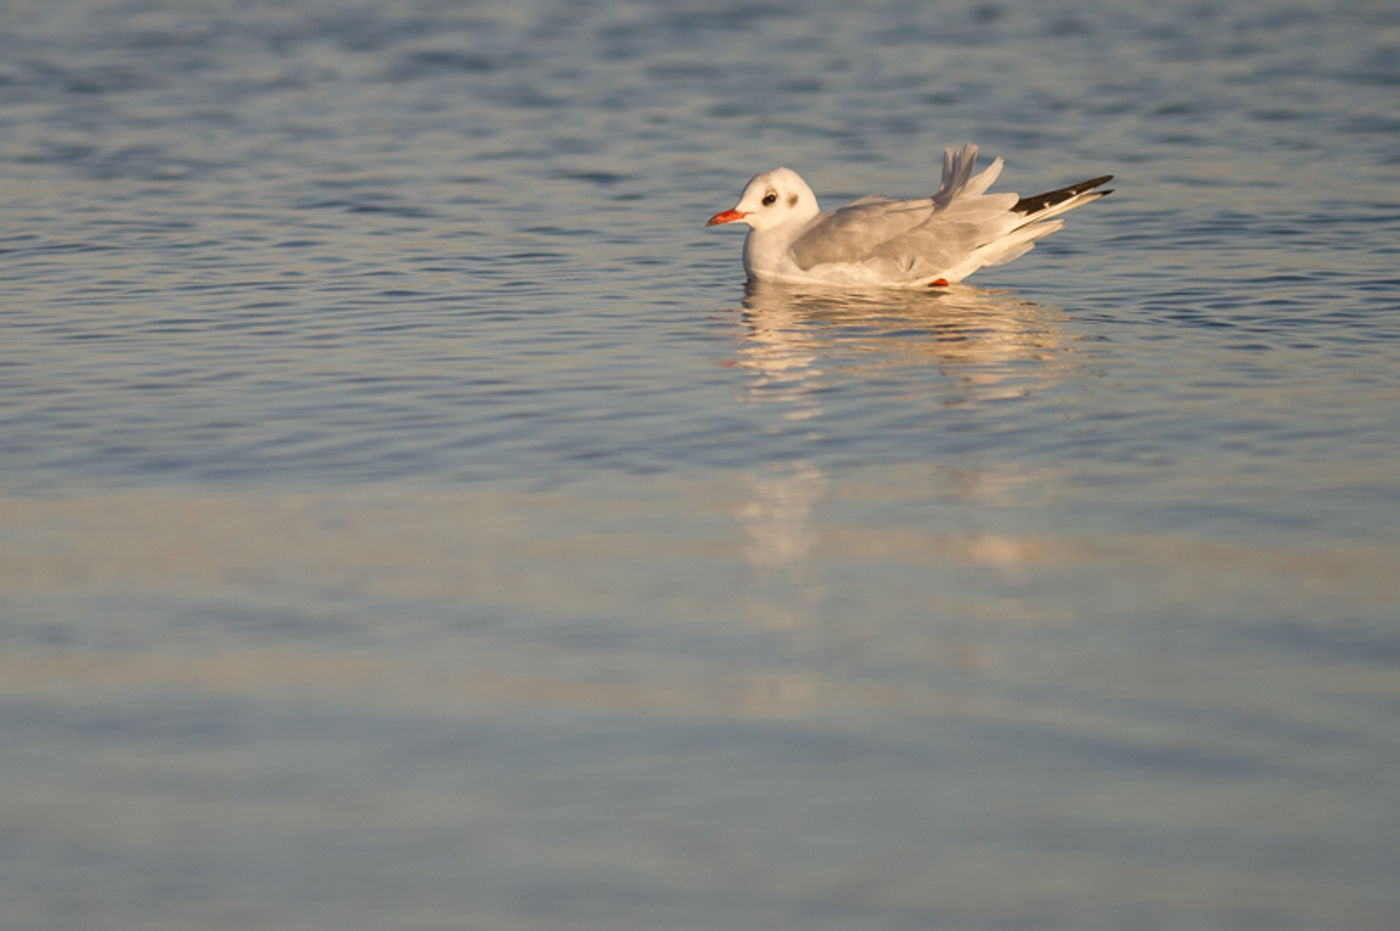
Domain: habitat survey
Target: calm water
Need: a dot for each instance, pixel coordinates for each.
(408, 519)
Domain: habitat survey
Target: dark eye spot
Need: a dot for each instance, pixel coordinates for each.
(792, 200)
(770, 198)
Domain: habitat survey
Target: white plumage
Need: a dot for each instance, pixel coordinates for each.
(879, 242)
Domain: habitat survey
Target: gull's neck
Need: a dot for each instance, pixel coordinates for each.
(766, 251)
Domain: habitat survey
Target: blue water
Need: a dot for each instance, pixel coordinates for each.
(409, 518)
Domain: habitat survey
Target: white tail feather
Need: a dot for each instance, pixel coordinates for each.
(957, 175)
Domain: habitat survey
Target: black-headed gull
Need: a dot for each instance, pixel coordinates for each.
(879, 242)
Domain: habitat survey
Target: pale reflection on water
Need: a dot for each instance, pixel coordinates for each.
(973, 334)
(800, 345)
(637, 688)
(331, 592)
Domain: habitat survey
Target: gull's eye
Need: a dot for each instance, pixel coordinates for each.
(770, 198)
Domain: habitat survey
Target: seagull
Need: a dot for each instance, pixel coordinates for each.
(878, 242)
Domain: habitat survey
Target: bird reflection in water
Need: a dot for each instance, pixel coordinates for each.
(797, 339)
(902, 357)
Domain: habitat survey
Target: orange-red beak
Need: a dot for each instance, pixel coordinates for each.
(727, 216)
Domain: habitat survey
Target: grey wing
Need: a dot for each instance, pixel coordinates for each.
(910, 239)
(951, 235)
(934, 247)
(859, 230)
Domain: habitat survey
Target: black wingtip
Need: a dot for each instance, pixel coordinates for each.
(1029, 205)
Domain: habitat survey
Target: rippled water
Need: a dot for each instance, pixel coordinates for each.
(409, 519)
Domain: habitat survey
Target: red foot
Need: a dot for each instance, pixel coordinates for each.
(938, 283)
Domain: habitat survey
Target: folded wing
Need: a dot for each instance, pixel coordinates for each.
(949, 235)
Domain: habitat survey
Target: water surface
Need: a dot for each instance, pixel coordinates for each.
(409, 518)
